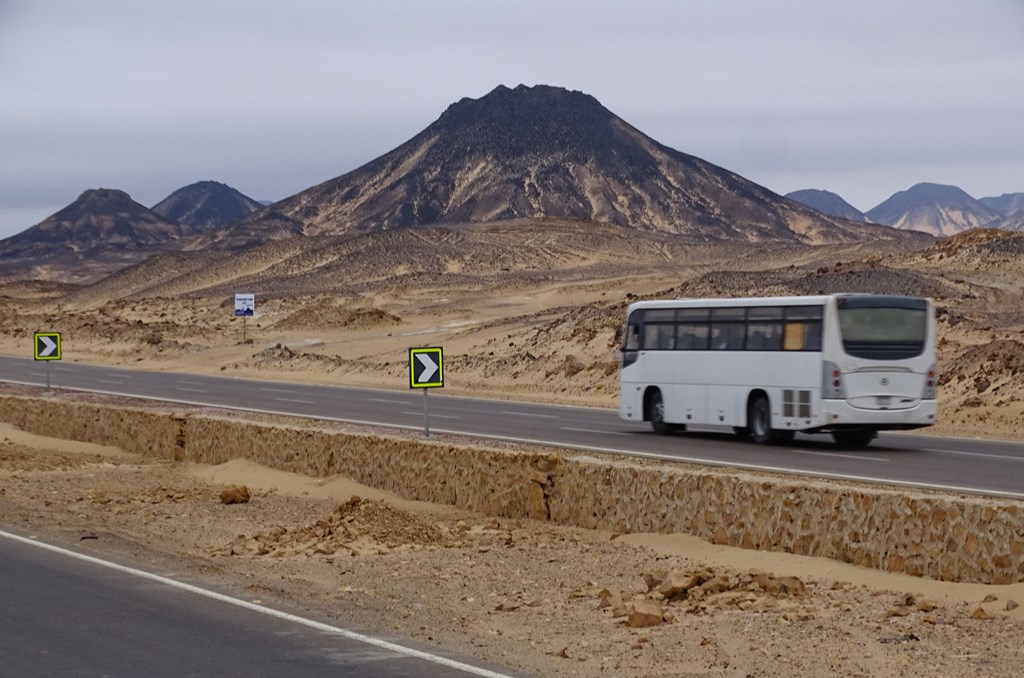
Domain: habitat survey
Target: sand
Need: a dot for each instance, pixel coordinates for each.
(538, 598)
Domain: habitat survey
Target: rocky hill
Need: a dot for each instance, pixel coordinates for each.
(206, 205)
(104, 229)
(534, 152)
(1007, 204)
(827, 202)
(933, 208)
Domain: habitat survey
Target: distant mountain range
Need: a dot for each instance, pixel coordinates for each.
(524, 153)
(931, 208)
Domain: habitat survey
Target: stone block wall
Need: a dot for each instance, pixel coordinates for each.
(947, 537)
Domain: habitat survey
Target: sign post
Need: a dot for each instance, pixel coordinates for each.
(426, 371)
(245, 307)
(47, 347)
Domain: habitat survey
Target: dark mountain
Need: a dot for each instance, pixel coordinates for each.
(101, 221)
(933, 208)
(100, 232)
(1007, 204)
(827, 203)
(534, 152)
(206, 205)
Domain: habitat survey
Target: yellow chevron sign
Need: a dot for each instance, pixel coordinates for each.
(47, 345)
(426, 369)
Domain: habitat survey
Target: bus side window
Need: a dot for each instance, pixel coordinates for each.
(632, 342)
(794, 337)
(802, 336)
(812, 338)
(692, 337)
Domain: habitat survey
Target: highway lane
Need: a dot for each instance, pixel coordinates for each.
(64, 613)
(993, 468)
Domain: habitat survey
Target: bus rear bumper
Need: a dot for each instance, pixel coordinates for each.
(839, 415)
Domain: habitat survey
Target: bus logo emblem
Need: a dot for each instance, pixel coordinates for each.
(884, 381)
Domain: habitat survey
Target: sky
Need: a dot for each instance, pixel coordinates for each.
(862, 98)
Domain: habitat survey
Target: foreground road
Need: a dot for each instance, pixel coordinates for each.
(62, 615)
(976, 466)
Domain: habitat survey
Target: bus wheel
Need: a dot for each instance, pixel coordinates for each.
(656, 413)
(859, 438)
(759, 421)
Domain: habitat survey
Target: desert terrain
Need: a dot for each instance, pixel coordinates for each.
(532, 323)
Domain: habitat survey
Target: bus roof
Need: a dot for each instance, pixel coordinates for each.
(703, 302)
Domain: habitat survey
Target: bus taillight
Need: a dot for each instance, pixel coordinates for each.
(832, 387)
(931, 383)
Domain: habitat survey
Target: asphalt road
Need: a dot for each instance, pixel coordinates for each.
(984, 467)
(65, 615)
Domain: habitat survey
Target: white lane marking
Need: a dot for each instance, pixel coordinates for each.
(253, 607)
(296, 400)
(530, 414)
(594, 430)
(957, 453)
(186, 382)
(278, 390)
(119, 375)
(110, 381)
(34, 374)
(837, 454)
(390, 401)
(191, 390)
(431, 415)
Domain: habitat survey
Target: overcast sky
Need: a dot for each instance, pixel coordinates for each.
(861, 98)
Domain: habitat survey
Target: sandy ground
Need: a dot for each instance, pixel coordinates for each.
(536, 598)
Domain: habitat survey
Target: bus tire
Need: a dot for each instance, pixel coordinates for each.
(656, 415)
(759, 420)
(858, 438)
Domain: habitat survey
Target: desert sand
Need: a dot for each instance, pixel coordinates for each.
(538, 598)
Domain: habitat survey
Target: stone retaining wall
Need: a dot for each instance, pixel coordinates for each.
(948, 537)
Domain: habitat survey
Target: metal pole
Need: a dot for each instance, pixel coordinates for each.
(47, 375)
(426, 415)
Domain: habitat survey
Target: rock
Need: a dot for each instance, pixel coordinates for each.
(608, 599)
(981, 613)
(1012, 605)
(719, 584)
(235, 494)
(654, 579)
(643, 613)
(677, 584)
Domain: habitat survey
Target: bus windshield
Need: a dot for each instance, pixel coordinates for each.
(883, 328)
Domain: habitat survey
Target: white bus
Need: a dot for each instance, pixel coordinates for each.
(846, 364)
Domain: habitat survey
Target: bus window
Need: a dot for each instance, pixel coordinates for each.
(727, 336)
(764, 328)
(659, 337)
(794, 337)
(632, 342)
(728, 328)
(692, 337)
(803, 328)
